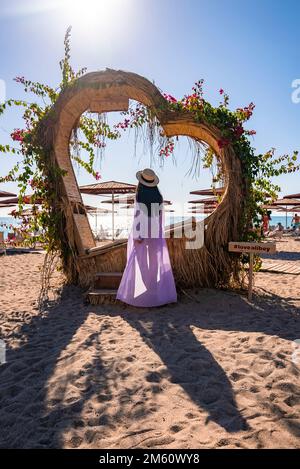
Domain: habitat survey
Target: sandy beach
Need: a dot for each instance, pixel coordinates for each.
(212, 371)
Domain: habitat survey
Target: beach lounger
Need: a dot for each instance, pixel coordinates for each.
(276, 234)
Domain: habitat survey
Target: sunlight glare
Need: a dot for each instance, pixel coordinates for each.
(106, 14)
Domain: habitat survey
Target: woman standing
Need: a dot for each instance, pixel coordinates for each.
(266, 222)
(148, 278)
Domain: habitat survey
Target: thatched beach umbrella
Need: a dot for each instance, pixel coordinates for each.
(211, 191)
(6, 194)
(205, 206)
(129, 200)
(269, 207)
(109, 187)
(284, 204)
(6, 205)
(204, 211)
(91, 209)
(292, 196)
(27, 199)
(207, 201)
(288, 209)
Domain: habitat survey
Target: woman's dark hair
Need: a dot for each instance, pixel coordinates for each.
(147, 196)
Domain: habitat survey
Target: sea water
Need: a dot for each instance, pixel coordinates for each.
(285, 221)
(124, 223)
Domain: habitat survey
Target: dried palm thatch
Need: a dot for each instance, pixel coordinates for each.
(6, 194)
(212, 191)
(110, 90)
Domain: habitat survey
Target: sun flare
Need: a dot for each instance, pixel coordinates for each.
(90, 13)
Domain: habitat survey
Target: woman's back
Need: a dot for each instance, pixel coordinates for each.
(148, 278)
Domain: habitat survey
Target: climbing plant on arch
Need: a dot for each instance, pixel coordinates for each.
(46, 165)
(111, 90)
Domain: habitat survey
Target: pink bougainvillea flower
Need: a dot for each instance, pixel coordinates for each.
(170, 98)
(223, 142)
(17, 135)
(97, 176)
(168, 149)
(20, 80)
(221, 91)
(123, 125)
(99, 143)
(238, 131)
(247, 111)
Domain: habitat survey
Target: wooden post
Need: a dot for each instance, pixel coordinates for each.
(250, 285)
(113, 215)
(251, 248)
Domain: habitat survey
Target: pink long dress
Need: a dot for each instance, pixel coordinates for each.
(148, 278)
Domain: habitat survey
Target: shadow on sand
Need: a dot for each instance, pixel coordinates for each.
(168, 332)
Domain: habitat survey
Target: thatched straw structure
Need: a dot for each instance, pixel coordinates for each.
(292, 196)
(4, 205)
(206, 201)
(108, 187)
(27, 199)
(110, 90)
(6, 194)
(210, 191)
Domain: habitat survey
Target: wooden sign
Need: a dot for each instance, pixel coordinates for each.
(251, 248)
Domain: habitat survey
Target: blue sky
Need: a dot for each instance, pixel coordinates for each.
(249, 48)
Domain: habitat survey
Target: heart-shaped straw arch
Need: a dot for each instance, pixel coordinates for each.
(110, 90)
